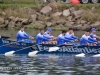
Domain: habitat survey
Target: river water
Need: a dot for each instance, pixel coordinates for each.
(47, 64)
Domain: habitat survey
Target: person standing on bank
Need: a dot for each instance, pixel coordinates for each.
(22, 36)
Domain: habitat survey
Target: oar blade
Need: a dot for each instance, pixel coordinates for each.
(53, 49)
(32, 54)
(9, 53)
(80, 55)
(97, 55)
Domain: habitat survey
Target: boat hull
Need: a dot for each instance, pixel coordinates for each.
(8, 45)
(43, 48)
(63, 49)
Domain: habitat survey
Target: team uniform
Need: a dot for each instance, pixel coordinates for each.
(39, 38)
(85, 40)
(47, 37)
(92, 38)
(23, 37)
(61, 39)
(70, 36)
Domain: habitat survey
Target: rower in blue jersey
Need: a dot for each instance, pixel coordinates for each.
(47, 35)
(84, 39)
(22, 36)
(70, 35)
(93, 36)
(61, 40)
(39, 37)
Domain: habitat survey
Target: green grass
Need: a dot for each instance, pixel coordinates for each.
(30, 3)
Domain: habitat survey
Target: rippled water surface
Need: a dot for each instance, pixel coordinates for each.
(49, 65)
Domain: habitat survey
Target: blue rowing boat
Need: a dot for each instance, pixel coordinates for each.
(8, 45)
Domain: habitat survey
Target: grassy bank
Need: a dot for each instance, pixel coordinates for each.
(19, 8)
(20, 5)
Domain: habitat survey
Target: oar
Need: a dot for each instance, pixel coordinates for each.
(80, 55)
(57, 47)
(32, 54)
(10, 53)
(97, 55)
(83, 54)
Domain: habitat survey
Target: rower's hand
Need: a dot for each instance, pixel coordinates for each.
(55, 38)
(98, 41)
(75, 40)
(31, 37)
(72, 41)
(52, 37)
(95, 42)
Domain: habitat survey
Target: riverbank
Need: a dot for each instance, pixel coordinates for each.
(58, 16)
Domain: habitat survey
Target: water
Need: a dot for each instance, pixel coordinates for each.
(47, 64)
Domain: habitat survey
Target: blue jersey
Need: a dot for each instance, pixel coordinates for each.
(21, 35)
(61, 39)
(92, 38)
(85, 40)
(39, 38)
(47, 37)
(70, 36)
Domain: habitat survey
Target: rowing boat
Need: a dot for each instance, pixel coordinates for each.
(10, 45)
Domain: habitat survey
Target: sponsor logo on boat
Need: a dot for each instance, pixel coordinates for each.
(72, 49)
(13, 42)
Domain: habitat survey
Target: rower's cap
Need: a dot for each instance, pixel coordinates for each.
(93, 29)
(49, 29)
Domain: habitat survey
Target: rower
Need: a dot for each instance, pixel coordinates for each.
(22, 36)
(70, 35)
(93, 36)
(84, 39)
(61, 40)
(48, 36)
(39, 37)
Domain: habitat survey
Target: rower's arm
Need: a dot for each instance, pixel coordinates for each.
(47, 37)
(96, 37)
(69, 38)
(93, 40)
(23, 35)
(74, 37)
(26, 35)
(66, 40)
(89, 41)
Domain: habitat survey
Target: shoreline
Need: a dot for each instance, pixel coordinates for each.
(60, 16)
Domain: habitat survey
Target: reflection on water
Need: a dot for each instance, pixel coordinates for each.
(49, 65)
